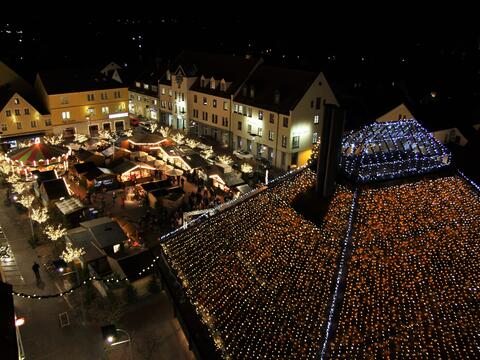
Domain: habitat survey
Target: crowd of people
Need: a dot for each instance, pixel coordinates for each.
(413, 283)
(260, 275)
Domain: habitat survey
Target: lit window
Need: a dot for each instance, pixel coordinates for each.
(163, 91)
(137, 84)
(66, 115)
(204, 101)
(260, 132)
(225, 105)
(105, 110)
(214, 103)
(295, 142)
(315, 138)
(212, 84)
(16, 101)
(260, 115)
(316, 119)
(284, 141)
(145, 86)
(271, 135)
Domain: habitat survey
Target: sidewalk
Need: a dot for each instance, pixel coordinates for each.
(42, 336)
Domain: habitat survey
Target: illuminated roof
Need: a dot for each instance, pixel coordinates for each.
(391, 150)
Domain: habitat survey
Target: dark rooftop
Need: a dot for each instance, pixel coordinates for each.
(55, 189)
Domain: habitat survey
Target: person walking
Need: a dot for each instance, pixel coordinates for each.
(183, 182)
(114, 196)
(36, 270)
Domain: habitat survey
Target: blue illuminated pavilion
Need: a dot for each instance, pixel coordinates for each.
(390, 150)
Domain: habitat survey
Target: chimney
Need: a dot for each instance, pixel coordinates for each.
(329, 151)
(252, 91)
(276, 97)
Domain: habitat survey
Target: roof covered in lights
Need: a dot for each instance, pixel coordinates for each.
(390, 150)
(389, 271)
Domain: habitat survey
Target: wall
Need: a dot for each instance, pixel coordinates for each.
(400, 112)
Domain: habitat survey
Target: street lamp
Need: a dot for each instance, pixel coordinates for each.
(110, 336)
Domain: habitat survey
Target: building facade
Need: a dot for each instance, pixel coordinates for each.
(83, 104)
(144, 100)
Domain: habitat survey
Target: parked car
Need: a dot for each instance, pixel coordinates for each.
(242, 154)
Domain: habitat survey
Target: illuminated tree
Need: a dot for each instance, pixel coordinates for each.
(178, 138)
(128, 133)
(106, 135)
(165, 131)
(26, 200)
(55, 233)
(54, 139)
(5, 168)
(246, 168)
(192, 143)
(71, 254)
(20, 187)
(14, 178)
(207, 153)
(80, 138)
(153, 127)
(40, 215)
(225, 159)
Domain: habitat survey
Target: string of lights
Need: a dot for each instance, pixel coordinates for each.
(259, 274)
(413, 282)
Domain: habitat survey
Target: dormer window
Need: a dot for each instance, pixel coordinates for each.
(137, 84)
(16, 101)
(169, 76)
(223, 86)
(212, 83)
(145, 86)
(202, 82)
(244, 91)
(252, 91)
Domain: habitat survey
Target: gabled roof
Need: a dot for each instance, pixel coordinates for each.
(267, 81)
(106, 231)
(84, 167)
(64, 81)
(55, 189)
(7, 92)
(133, 264)
(233, 69)
(82, 238)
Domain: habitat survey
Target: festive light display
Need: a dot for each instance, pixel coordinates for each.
(80, 138)
(178, 138)
(192, 143)
(225, 159)
(165, 131)
(207, 153)
(14, 178)
(53, 139)
(246, 168)
(153, 127)
(71, 253)
(26, 200)
(39, 215)
(5, 167)
(391, 150)
(55, 232)
(128, 133)
(413, 284)
(259, 274)
(21, 187)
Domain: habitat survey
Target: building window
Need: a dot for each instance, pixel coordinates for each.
(204, 100)
(66, 115)
(314, 137)
(163, 91)
(284, 158)
(272, 118)
(26, 111)
(249, 112)
(8, 112)
(285, 121)
(224, 121)
(105, 110)
(225, 105)
(64, 100)
(16, 101)
(222, 86)
(284, 141)
(104, 96)
(17, 112)
(239, 125)
(154, 88)
(183, 96)
(195, 99)
(260, 132)
(48, 122)
(249, 128)
(33, 124)
(139, 98)
(214, 102)
(295, 142)
(117, 95)
(146, 87)
(235, 108)
(169, 105)
(212, 84)
(90, 97)
(137, 84)
(316, 119)
(260, 114)
(195, 113)
(154, 102)
(4, 127)
(317, 103)
(19, 125)
(271, 135)
(170, 93)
